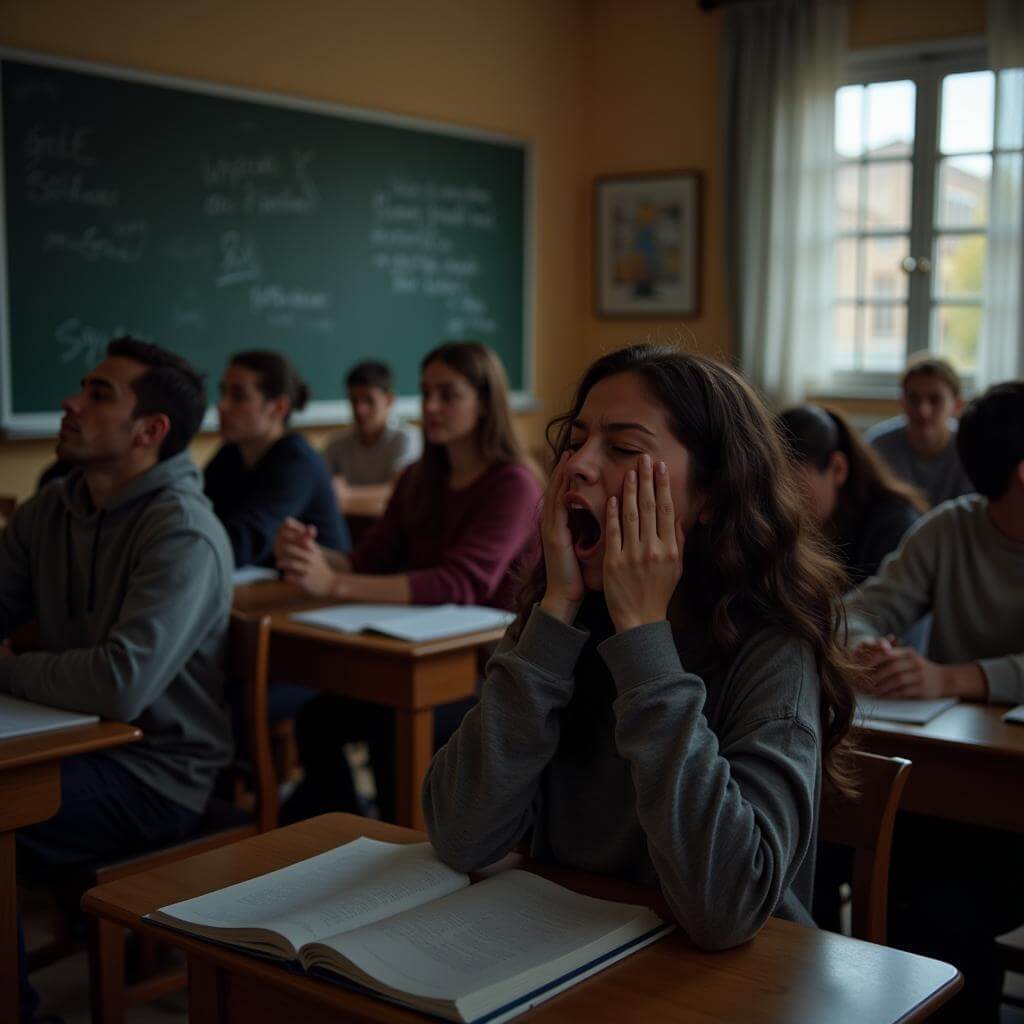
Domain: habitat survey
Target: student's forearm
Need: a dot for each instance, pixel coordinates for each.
(337, 560)
(966, 681)
(389, 589)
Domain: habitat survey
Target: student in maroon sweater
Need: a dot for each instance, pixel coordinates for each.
(458, 522)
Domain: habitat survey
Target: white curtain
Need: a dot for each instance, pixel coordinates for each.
(1001, 352)
(783, 61)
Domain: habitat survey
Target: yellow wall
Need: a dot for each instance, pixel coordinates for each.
(652, 90)
(600, 86)
(512, 66)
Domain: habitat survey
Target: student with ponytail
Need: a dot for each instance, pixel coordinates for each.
(859, 503)
(264, 473)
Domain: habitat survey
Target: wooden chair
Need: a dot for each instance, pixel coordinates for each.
(865, 823)
(1010, 948)
(222, 823)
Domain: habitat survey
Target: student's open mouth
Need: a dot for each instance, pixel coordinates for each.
(584, 527)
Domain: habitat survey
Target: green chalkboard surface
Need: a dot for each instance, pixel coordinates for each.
(210, 220)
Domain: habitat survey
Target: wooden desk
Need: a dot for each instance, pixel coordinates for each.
(411, 678)
(789, 973)
(968, 764)
(30, 792)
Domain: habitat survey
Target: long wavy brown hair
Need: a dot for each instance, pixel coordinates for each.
(758, 561)
(496, 437)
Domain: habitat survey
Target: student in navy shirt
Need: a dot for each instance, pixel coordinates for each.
(264, 472)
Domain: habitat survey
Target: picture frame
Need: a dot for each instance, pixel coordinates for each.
(647, 244)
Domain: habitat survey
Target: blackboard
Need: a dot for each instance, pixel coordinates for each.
(211, 219)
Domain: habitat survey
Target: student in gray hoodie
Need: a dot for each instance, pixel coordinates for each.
(668, 703)
(127, 572)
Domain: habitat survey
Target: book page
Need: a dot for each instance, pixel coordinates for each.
(351, 618)
(913, 712)
(512, 925)
(348, 887)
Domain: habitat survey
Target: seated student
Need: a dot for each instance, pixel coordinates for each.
(954, 887)
(458, 520)
(920, 445)
(127, 572)
(367, 459)
(264, 473)
(667, 703)
(860, 506)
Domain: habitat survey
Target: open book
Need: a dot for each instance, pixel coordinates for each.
(414, 623)
(912, 712)
(23, 718)
(397, 921)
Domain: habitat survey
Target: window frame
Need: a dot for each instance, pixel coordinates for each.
(926, 66)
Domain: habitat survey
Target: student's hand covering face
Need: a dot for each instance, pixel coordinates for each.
(643, 558)
(565, 588)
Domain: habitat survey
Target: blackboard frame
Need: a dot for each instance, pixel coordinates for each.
(319, 412)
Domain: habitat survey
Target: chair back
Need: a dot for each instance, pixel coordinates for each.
(865, 823)
(248, 650)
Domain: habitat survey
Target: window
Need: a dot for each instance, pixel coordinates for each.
(914, 147)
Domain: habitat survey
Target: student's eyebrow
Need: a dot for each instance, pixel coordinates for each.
(100, 382)
(613, 428)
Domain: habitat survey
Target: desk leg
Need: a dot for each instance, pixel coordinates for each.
(414, 747)
(8, 930)
(205, 992)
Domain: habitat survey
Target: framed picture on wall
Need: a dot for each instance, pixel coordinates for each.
(647, 232)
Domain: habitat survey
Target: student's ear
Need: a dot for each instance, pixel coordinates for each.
(152, 430)
(839, 467)
(958, 405)
(281, 406)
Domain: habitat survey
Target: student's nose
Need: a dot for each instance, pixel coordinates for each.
(70, 404)
(582, 464)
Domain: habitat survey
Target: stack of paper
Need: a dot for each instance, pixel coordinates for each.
(1015, 715)
(22, 718)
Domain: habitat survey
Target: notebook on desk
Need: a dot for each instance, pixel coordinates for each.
(397, 922)
(23, 718)
(414, 623)
(253, 574)
(1015, 715)
(912, 712)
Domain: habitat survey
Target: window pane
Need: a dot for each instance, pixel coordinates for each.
(963, 191)
(846, 268)
(885, 337)
(960, 269)
(1010, 88)
(849, 120)
(847, 196)
(967, 112)
(884, 276)
(955, 333)
(844, 343)
(890, 120)
(888, 195)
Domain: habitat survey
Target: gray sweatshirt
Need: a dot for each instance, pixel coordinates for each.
(955, 564)
(708, 789)
(132, 603)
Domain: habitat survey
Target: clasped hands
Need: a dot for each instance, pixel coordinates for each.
(304, 562)
(643, 548)
(902, 673)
